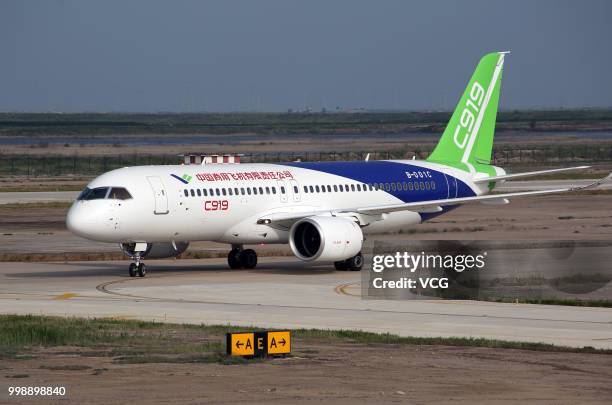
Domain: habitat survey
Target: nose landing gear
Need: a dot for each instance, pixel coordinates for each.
(137, 268)
(239, 258)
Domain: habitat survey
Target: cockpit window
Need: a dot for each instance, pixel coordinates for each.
(119, 193)
(84, 193)
(97, 193)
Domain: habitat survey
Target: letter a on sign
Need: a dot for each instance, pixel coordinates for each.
(241, 344)
(279, 342)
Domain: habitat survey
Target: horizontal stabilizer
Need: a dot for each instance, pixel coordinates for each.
(527, 174)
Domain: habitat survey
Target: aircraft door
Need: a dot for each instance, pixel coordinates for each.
(159, 192)
(452, 186)
(295, 190)
(282, 190)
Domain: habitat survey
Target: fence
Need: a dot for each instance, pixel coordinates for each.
(36, 165)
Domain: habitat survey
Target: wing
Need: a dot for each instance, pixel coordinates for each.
(420, 206)
(526, 174)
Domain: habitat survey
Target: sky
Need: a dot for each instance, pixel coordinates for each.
(264, 55)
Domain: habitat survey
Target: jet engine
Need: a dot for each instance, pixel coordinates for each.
(157, 250)
(325, 239)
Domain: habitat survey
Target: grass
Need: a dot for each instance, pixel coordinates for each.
(132, 341)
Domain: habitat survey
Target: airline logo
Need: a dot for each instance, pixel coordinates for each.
(185, 178)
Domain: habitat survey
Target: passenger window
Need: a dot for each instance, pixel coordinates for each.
(322, 189)
(422, 186)
(393, 188)
(192, 192)
(229, 191)
(261, 190)
(249, 190)
(352, 187)
(254, 190)
(204, 192)
(186, 193)
(267, 190)
(224, 191)
(282, 189)
(273, 190)
(295, 189)
(410, 186)
(416, 185)
(305, 189)
(387, 187)
(242, 191)
(358, 187)
(317, 188)
(341, 187)
(311, 189)
(199, 193)
(236, 191)
(335, 188)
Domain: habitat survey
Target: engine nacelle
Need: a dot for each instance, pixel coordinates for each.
(325, 239)
(157, 250)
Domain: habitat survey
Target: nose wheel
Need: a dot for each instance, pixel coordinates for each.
(137, 268)
(239, 258)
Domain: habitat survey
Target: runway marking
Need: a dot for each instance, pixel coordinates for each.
(104, 288)
(341, 289)
(65, 296)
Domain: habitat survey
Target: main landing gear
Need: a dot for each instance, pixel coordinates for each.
(137, 268)
(354, 263)
(239, 258)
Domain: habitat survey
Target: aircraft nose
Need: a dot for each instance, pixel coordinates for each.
(87, 221)
(77, 221)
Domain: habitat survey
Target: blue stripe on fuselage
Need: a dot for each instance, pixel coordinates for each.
(380, 171)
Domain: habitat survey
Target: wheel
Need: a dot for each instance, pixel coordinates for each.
(248, 259)
(233, 259)
(132, 270)
(355, 263)
(142, 270)
(341, 265)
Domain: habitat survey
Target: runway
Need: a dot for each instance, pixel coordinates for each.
(23, 197)
(280, 293)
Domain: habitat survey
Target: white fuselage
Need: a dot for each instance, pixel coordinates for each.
(222, 202)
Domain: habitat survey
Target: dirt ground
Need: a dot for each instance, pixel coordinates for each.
(335, 373)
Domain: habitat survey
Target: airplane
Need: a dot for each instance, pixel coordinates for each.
(322, 209)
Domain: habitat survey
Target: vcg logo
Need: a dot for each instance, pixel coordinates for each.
(468, 115)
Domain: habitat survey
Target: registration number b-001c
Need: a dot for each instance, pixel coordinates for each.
(216, 205)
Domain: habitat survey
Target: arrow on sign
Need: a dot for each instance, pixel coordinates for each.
(282, 342)
(238, 344)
